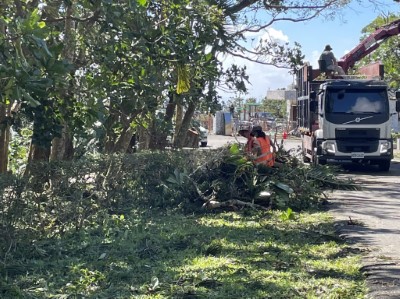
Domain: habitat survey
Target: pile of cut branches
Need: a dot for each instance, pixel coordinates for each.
(229, 180)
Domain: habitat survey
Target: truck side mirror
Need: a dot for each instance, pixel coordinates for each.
(314, 106)
(397, 105)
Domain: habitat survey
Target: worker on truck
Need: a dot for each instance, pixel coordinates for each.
(330, 61)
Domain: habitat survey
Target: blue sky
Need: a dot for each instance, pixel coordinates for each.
(343, 34)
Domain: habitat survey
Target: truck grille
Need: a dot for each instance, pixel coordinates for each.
(357, 140)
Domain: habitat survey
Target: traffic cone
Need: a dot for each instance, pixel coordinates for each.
(284, 135)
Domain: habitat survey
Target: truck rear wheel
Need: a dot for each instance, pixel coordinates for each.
(384, 165)
(304, 153)
(316, 160)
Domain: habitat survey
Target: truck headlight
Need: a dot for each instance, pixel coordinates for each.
(384, 147)
(329, 146)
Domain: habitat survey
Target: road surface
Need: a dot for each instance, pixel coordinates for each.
(369, 219)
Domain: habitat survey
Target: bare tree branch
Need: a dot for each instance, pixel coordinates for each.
(247, 3)
(257, 60)
(274, 20)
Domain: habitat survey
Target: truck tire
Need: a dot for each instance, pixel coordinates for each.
(306, 159)
(316, 160)
(303, 154)
(384, 165)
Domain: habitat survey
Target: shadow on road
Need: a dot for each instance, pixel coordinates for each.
(370, 219)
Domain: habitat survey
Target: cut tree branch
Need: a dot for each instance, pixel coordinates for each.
(234, 203)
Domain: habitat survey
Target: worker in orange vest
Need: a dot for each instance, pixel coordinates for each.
(250, 141)
(263, 148)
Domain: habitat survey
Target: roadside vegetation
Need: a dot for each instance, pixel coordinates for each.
(137, 226)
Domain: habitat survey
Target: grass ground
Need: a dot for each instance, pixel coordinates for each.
(242, 254)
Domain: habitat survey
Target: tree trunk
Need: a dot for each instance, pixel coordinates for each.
(4, 139)
(110, 137)
(4, 127)
(123, 141)
(178, 119)
(154, 139)
(38, 153)
(169, 112)
(143, 138)
(180, 140)
(62, 147)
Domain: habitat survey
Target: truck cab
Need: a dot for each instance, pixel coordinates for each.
(353, 123)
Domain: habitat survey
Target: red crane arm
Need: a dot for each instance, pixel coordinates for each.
(369, 44)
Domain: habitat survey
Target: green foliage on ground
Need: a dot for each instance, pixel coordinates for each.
(132, 226)
(153, 254)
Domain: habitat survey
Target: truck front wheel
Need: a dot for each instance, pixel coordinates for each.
(316, 159)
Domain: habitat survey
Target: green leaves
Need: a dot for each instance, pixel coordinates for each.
(26, 96)
(287, 215)
(41, 45)
(178, 178)
(283, 187)
(142, 2)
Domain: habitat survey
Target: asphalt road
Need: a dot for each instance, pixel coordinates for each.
(368, 219)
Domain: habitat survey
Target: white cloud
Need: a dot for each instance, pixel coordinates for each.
(275, 35)
(261, 77)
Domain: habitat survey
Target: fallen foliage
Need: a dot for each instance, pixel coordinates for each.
(133, 226)
(229, 179)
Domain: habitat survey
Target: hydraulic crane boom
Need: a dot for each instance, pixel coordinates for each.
(369, 44)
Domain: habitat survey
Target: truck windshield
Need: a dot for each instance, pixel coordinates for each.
(356, 101)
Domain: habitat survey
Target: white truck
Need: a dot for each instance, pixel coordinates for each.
(346, 120)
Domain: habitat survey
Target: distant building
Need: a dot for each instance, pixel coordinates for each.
(288, 95)
(281, 95)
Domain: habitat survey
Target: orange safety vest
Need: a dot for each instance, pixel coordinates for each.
(267, 156)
